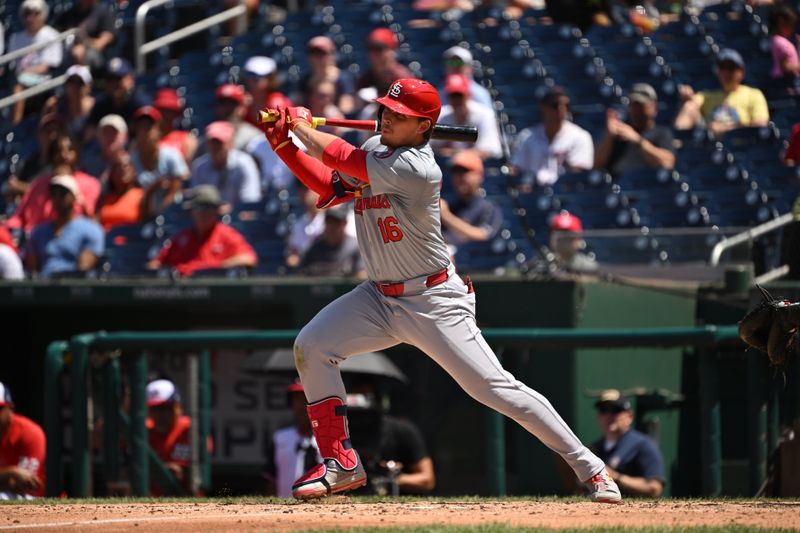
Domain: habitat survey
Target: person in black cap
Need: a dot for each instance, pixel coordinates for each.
(334, 252)
(734, 106)
(631, 457)
(639, 143)
(119, 98)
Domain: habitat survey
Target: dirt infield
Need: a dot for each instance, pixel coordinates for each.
(341, 512)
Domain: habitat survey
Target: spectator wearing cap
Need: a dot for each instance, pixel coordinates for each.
(122, 199)
(735, 105)
(231, 171)
(111, 139)
(293, 449)
(462, 110)
(70, 244)
(263, 87)
(208, 243)
(470, 217)
(36, 205)
(458, 60)
(95, 23)
(119, 97)
(554, 147)
(50, 126)
(170, 105)
(22, 452)
(631, 457)
(33, 68)
(322, 62)
(566, 243)
(169, 430)
(10, 263)
(322, 103)
(230, 106)
(334, 252)
(76, 102)
(309, 226)
(638, 143)
(383, 68)
(159, 168)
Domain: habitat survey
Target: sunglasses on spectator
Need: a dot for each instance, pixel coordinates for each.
(58, 190)
(460, 170)
(319, 52)
(29, 12)
(376, 48)
(728, 65)
(454, 62)
(556, 105)
(609, 409)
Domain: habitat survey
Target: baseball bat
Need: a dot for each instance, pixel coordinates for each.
(467, 134)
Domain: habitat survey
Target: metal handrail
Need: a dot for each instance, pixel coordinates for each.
(11, 56)
(142, 48)
(747, 236)
(43, 87)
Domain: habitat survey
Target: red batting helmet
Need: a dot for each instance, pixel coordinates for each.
(410, 96)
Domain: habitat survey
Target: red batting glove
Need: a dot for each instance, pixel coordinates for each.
(295, 116)
(277, 133)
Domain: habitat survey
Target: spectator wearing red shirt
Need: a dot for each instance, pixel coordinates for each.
(168, 430)
(208, 243)
(36, 206)
(171, 107)
(22, 452)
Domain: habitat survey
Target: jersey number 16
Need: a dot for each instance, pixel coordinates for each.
(389, 230)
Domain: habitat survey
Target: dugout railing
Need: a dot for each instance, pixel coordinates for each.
(101, 351)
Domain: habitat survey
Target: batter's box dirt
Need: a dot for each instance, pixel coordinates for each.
(449, 515)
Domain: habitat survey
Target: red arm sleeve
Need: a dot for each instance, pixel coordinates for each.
(316, 176)
(346, 158)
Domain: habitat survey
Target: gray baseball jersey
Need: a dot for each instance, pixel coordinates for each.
(397, 213)
(399, 234)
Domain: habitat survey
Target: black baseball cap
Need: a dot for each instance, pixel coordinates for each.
(613, 399)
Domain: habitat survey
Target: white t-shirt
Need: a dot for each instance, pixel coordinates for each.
(289, 462)
(51, 55)
(10, 264)
(535, 154)
(482, 118)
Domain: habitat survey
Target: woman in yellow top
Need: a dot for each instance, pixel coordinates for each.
(734, 106)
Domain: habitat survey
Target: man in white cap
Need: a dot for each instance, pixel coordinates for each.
(458, 60)
(33, 68)
(232, 171)
(110, 141)
(71, 243)
(262, 84)
(168, 430)
(22, 452)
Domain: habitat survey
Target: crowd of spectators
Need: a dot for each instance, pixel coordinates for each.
(111, 151)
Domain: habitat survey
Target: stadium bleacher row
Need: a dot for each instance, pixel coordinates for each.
(737, 180)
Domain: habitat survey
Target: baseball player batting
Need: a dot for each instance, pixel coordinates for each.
(413, 294)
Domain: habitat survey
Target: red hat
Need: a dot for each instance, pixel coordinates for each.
(456, 84)
(149, 112)
(410, 96)
(220, 130)
(566, 222)
(296, 386)
(229, 91)
(167, 99)
(383, 37)
(277, 99)
(5, 238)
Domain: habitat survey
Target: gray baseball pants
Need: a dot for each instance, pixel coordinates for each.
(440, 321)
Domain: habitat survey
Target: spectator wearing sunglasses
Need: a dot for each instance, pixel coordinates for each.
(556, 145)
(382, 44)
(631, 457)
(458, 60)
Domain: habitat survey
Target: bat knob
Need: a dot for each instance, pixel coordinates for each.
(267, 117)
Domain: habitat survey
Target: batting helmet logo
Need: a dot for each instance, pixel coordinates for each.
(410, 96)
